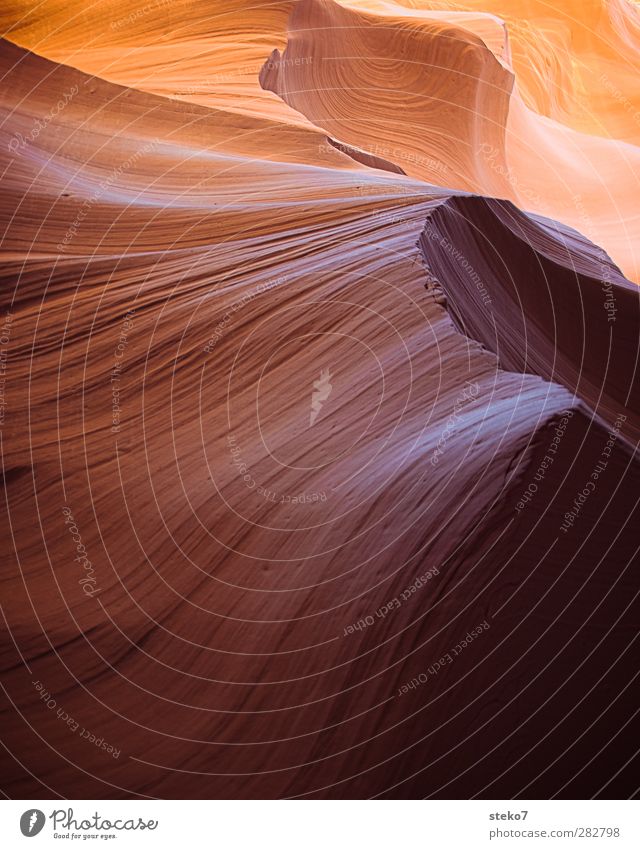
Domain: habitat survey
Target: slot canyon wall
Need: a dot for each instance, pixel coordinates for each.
(319, 398)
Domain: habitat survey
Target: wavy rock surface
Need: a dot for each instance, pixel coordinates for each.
(514, 282)
(464, 122)
(270, 455)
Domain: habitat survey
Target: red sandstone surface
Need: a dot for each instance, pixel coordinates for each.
(320, 409)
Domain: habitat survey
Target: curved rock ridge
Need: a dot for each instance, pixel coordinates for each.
(542, 298)
(208, 52)
(347, 70)
(320, 478)
(464, 124)
(575, 62)
(569, 146)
